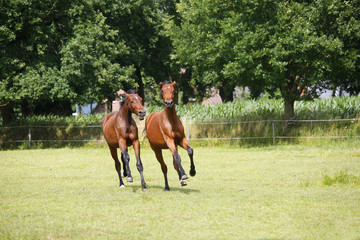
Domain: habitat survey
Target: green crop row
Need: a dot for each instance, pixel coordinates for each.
(62, 130)
(240, 110)
(268, 109)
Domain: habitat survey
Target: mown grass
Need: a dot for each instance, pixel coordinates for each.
(275, 192)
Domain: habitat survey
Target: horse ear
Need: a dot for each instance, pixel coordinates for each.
(160, 85)
(127, 95)
(173, 83)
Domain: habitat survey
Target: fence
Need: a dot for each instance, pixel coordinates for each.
(264, 130)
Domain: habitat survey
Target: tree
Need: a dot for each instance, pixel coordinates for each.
(56, 51)
(265, 45)
(30, 34)
(89, 62)
(139, 26)
(341, 19)
(199, 46)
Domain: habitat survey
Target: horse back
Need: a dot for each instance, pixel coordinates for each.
(106, 119)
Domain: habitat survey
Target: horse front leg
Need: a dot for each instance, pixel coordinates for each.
(136, 146)
(182, 177)
(126, 159)
(184, 144)
(177, 161)
(124, 174)
(159, 157)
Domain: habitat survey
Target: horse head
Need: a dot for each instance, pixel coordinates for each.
(167, 90)
(135, 104)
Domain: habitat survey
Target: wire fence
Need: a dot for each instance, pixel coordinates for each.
(262, 130)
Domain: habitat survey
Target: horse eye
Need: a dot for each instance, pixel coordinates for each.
(132, 101)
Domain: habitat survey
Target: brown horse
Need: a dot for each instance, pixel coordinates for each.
(165, 131)
(120, 131)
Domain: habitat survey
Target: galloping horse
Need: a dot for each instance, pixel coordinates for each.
(120, 131)
(165, 130)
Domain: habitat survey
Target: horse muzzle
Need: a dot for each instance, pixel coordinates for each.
(142, 114)
(169, 104)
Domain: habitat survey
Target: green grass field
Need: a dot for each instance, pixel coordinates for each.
(278, 192)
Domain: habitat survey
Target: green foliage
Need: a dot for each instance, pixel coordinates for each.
(89, 62)
(31, 33)
(268, 45)
(83, 52)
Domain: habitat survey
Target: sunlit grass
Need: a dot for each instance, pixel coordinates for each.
(342, 178)
(272, 192)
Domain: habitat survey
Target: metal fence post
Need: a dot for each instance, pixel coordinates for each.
(273, 130)
(29, 137)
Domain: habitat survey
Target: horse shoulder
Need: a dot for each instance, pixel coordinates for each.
(151, 120)
(120, 126)
(133, 130)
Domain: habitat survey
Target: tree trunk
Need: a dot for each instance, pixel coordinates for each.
(25, 108)
(289, 111)
(7, 113)
(226, 91)
(139, 81)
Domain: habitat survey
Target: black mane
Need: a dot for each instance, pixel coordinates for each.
(130, 91)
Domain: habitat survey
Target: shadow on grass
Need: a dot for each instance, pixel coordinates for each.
(184, 190)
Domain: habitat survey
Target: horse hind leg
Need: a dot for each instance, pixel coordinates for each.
(159, 157)
(139, 165)
(114, 155)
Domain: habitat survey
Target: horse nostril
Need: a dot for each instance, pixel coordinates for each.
(169, 103)
(141, 112)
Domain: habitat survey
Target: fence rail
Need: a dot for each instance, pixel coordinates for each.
(273, 133)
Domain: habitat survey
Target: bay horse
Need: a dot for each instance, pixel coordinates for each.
(120, 131)
(165, 131)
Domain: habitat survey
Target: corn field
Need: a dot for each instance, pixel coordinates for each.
(244, 121)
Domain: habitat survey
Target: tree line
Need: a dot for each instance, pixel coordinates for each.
(55, 53)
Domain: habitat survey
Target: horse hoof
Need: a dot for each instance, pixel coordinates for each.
(183, 183)
(184, 177)
(144, 189)
(129, 179)
(192, 173)
(167, 189)
(122, 186)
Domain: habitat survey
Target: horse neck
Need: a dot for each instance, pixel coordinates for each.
(171, 113)
(125, 112)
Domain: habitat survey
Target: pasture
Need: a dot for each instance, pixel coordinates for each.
(278, 192)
